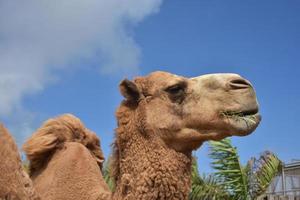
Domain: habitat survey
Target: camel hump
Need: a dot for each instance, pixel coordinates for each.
(53, 133)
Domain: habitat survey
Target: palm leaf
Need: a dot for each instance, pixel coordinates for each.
(230, 174)
(25, 165)
(107, 175)
(205, 187)
(265, 169)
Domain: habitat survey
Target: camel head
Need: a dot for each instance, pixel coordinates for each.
(185, 112)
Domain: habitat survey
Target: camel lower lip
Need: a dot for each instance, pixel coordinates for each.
(254, 118)
(243, 124)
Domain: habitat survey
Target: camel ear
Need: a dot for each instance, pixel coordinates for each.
(129, 90)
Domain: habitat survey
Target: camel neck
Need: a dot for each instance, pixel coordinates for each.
(150, 170)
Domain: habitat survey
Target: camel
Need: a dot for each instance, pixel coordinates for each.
(65, 162)
(162, 119)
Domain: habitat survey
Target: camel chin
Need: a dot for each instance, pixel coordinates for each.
(236, 125)
(242, 124)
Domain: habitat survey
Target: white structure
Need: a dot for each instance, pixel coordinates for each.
(286, 186)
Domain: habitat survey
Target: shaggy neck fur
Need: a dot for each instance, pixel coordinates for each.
(143, 166)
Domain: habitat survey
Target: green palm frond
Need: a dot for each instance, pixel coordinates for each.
(205, 187)
(229, 171)
(242, 183)
(25, 165)
(107, 177)
(266, 168)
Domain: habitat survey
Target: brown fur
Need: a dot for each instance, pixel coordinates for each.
(14, 182)
(66, 160)
(53, 134)
(143, 166)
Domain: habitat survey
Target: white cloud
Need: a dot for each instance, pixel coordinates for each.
(41, 37)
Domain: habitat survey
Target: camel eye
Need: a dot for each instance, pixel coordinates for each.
(176, 92)
(175, 89)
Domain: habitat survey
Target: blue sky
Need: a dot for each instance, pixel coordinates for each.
(258, 39)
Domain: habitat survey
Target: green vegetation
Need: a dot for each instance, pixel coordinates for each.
(231, 180)
(206, 187)
(107, 176)
(25, 165)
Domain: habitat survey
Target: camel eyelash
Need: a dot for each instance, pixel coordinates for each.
(177, 88)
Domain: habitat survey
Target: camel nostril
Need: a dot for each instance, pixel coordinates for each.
(239, 83)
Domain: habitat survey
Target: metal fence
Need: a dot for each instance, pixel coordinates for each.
(286, 186)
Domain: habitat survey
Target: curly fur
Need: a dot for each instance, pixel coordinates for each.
(142, 166)
(52, 134)
(14, 182)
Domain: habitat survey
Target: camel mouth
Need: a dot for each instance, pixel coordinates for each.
(245, 113)
(242, 122)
